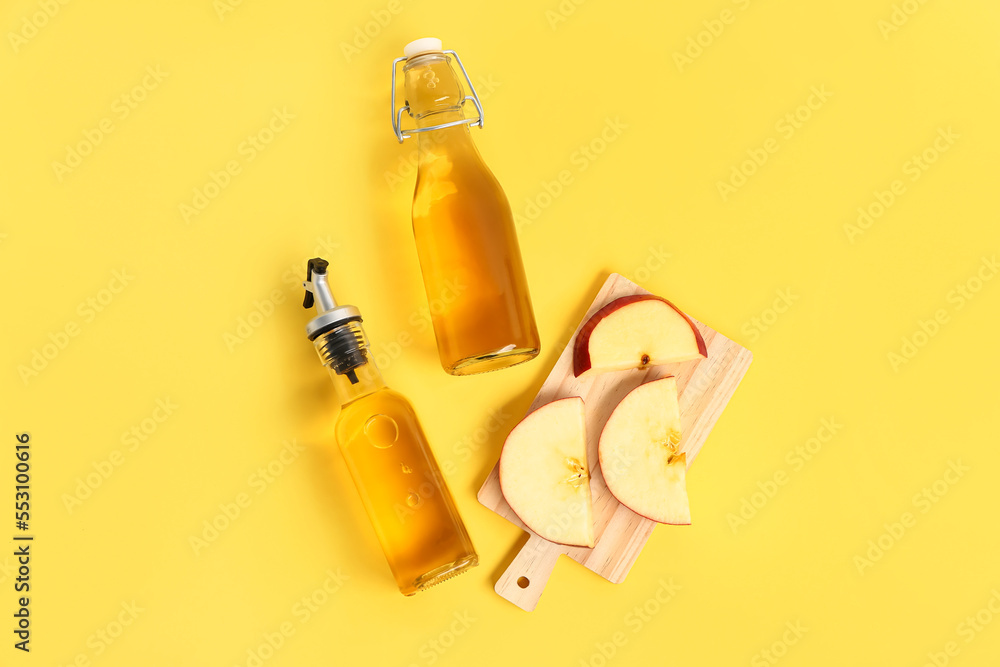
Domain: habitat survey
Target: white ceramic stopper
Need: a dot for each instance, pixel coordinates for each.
(422, 45)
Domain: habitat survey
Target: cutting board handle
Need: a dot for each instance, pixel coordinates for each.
(524, 579)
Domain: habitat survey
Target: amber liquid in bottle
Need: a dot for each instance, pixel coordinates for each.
(394, 470)
(464, 230)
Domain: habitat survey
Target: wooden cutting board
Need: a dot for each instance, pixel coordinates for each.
(704, 388)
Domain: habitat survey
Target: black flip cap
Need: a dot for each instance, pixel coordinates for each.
(316, 265)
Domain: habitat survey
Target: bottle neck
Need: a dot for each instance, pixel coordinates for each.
(369, 380)
(344, 351)
(435, 96)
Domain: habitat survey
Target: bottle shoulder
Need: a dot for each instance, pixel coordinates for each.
(454, 166)
(383, 400)
(382, 415)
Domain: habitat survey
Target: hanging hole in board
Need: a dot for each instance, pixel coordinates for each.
(522, 582)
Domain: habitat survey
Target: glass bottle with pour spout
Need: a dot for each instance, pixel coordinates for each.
(409, 505)
(462, 223)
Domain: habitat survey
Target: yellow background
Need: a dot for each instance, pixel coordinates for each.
(328, 181)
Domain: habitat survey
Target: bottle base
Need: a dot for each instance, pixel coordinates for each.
(505, 357)
(439, 574)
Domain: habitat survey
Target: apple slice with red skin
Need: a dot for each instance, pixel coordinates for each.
(544, 474)
(636, 331)
(640, 456)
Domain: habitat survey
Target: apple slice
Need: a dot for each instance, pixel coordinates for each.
(544, 474)
(640, 454)
(636, 331)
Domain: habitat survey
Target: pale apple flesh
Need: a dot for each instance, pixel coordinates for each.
(544, 474)
(640, 453)
(636, 331)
